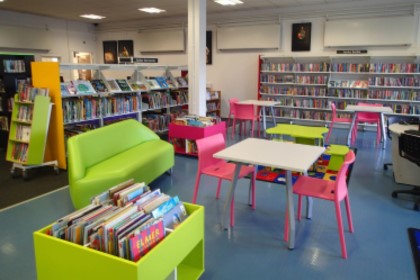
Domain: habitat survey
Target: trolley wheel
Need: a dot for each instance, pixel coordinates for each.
(56, 170)
(25, 175)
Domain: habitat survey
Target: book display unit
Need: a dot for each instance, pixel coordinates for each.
(213, 103)
(14, 69)
(182, 250)
(154, 101)
(304, 86)
(29, 130)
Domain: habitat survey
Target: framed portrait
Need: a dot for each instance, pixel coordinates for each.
(209, 42)
(301, 37)
(125, 48)
(110, 52)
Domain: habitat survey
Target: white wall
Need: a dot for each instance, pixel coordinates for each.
(235, 73)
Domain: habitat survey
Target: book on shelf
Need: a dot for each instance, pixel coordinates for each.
(99, 85)
(4, 123)
(123, 85)
(113, 86)
(128, 230)
(83, 87)
(182, 82)
(162, 82)
(138, 86)
(153, 84)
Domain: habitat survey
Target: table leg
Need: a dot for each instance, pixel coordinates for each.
(229, 197)
(353, 122)
(274, 117)
(383, 131)
(291, 210)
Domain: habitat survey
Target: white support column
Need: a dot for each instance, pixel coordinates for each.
(197, 57)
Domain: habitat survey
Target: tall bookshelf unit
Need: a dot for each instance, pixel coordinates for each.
(304, 86)
(13, 68)
(213, 103)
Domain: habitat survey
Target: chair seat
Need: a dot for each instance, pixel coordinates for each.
(319, 188)
(225, 170)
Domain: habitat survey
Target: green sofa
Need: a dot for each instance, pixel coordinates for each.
(104, 157)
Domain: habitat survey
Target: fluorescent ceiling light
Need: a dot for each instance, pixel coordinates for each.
(152, 10)
(228, 2)
(92, 16)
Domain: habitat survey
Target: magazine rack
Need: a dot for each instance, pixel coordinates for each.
(182, 251)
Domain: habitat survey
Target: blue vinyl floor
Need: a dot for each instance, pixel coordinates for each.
(378, 249)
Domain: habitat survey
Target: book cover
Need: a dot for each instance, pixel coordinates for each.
(123, 84)
(113, 86)
(99, 85)
(175, 216)
(162, 82)
(64, 89)
(83, 87)
(141, 243)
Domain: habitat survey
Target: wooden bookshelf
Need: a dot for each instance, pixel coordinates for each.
(213, 103)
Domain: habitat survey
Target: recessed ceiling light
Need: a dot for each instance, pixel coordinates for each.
(92, 16)
(2, 1)
(152, 10)
(228, 2)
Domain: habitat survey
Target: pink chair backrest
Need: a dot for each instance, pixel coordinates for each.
(340, 182)
(207, 147)
(232, 101)
(367, 115)
(244, 111)
(334, 111)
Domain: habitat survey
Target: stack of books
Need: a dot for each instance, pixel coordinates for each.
(127, 221)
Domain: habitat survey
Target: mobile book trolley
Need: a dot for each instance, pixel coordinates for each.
(29, 131)
(181, 251)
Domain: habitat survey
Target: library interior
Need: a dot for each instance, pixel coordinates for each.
(177, 139)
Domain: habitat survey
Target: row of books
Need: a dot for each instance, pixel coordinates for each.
(395, 82)
(4, 123)
(23, 132)
(2, 87)
(127, 221)
(157, 122)
(391, 68)
(349, 84)
(25, 113)
(194, 120)
(27, 93)
(75, 110)
(19, 151)
(277, 78)
(100, 86)
(14, 66)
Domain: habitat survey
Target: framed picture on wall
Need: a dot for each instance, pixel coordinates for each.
(125, 48)
(110, 52)
(209, 42)
(301, 37)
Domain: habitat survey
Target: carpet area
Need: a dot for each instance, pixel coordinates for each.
(40, 181)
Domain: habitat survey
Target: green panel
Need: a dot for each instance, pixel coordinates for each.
(184, 248)
(39, 129)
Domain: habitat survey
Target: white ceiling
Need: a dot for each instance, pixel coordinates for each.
(127, 10)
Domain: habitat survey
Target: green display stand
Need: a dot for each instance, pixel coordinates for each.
(182, 250)
(338, 154)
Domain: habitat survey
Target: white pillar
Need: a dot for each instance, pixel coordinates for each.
(197, 57)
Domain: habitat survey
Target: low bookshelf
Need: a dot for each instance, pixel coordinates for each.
(183, 137)
(182, 250)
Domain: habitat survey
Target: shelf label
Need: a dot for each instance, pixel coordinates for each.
(145, 60)
(351, 51)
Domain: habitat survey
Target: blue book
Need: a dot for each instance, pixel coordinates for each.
(165, 207)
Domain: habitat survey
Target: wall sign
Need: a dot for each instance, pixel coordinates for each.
(145, 60)
(351, 51)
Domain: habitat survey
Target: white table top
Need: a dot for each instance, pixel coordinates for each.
(370, 109)
(259, 102)
(284, 155)
(400, 128)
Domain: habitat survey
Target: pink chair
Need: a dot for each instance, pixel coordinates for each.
(232, 113)
(208, 165)
(372, 118)
(244, 113)
(335, 191)
(335, 119)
